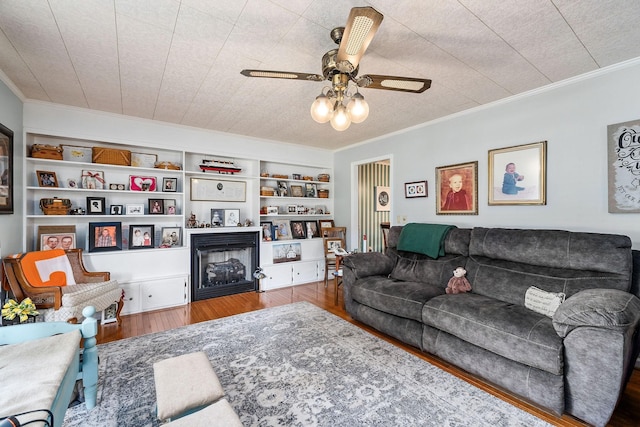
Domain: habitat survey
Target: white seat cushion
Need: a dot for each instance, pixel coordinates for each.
(184, 383)
(82, 292)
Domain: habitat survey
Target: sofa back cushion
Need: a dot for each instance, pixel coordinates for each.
(504, 263)
(456, 242)
(413, 267)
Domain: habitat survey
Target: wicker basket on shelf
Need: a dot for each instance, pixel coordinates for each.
(55, 206)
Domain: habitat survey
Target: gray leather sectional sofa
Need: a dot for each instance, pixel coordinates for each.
(578, 361)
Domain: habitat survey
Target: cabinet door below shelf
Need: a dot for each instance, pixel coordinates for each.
(277, 276)
(161, 293)
(131, 298)
(305, 272)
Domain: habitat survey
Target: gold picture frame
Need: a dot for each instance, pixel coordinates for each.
(457, 189)
(517, 175)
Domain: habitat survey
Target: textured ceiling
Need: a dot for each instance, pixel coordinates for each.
(180, 61)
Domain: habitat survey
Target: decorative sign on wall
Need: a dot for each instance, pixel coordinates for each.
(383, 199)
(624, 167)
(218, 190)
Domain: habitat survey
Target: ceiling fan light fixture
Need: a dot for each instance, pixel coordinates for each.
(358, 108)
(321, 109)
(341, 119)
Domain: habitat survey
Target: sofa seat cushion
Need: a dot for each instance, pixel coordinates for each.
(403, 299)
(509, 330)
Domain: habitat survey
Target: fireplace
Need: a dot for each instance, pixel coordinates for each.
(223, 264)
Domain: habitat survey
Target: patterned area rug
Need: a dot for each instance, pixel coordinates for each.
(295, 365)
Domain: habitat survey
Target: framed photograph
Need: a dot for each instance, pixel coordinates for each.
(282, 228)
(169, 185)
(141, 236)
(170, 207)
(105, 236)
(292, 209)
(135, 209)
(116, 210)
(297, 191)
(321, 210)
(142, 183)
(383, 199)
(457, 189)
(312, 229)
(47, 179)
(333, 244)
(92, 180)
(231, 217)
(324, 223)
(283, 189)
(6, 170)
(96, 206)
(623, 166)
(298, 230)
(217, 190)
(287, 252)
(415, 189)
(56, 237)
(311, 190)
(272, 210)
(267, 235)
(109, 314)
(142, 160)
(156, 206)
(517, 175)
(217, 217)
(171, 236)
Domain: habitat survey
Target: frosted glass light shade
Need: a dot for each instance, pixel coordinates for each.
(341, 119)
(358, 108)
(321, 109)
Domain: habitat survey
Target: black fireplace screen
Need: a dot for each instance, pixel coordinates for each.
(223, 264)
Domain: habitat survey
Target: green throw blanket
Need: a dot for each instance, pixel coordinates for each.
(427, 239)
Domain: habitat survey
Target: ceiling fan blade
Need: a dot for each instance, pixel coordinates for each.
(402, 84)
(362, 25)
(282, 75)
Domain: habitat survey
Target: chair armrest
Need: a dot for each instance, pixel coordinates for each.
(603, 308)
(366, 264)
(80, 273)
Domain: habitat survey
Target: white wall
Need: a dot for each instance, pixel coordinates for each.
(572, 116)
(11, 224)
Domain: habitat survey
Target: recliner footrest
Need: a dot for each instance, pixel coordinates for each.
(185, 384)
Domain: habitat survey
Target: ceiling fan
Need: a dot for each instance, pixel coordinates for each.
(340, 67)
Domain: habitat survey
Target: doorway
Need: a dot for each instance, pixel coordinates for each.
(374, 202)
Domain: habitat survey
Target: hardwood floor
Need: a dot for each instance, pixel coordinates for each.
(626, 415)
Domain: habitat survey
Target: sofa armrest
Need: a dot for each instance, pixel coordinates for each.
(369, 264)
(602, 308)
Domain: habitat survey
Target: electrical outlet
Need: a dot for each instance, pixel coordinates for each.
(401, 219)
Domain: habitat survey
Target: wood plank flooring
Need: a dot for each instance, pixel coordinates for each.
(626, 415)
